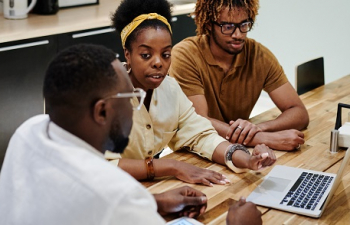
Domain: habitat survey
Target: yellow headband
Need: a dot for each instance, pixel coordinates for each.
(138, 20)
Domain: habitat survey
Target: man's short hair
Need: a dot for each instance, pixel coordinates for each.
(78, 76)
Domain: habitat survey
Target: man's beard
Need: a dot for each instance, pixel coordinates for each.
(231, 52)
(116, 142)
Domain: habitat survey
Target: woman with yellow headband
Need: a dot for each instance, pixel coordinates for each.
(167, 117)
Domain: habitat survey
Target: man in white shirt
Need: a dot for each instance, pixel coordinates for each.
(54, 170)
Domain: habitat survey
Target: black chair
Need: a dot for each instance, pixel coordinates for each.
(309, 75)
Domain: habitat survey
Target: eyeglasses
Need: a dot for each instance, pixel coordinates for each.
(230, 28)
(138, 92)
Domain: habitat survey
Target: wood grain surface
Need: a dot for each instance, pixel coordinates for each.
(321, 104)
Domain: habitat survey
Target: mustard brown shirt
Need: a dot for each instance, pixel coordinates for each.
(232, 95)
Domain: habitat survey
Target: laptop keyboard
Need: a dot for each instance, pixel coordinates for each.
(307, 191)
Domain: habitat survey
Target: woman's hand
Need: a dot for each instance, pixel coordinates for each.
(195, 175)
(262, 156)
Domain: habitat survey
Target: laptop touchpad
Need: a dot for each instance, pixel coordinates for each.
(274, 184)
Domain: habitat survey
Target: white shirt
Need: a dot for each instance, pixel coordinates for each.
(50, 176)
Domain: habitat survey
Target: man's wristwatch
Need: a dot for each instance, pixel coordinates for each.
(228, 156)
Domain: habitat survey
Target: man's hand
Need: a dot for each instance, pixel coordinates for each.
(262, 156)
(184, 201)
(195, 175)
(287, 140)
(243, 213)
(241, 131)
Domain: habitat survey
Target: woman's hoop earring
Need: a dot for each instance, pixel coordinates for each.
(126, 67)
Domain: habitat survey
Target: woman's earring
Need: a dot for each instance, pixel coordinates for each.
(126, 67)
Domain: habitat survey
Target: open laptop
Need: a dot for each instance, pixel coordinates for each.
(297, 190)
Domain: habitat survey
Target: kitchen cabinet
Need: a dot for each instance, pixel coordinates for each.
(106, 36)
(22, 70)
(182, 25)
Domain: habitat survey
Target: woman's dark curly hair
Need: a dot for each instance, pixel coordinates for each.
(208, 10)
(130, 9)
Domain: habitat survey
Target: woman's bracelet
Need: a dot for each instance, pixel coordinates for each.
(150, 168)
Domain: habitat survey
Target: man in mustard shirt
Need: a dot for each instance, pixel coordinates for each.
(223, 73)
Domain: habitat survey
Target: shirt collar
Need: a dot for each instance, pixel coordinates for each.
(61, 136)
(209, 58)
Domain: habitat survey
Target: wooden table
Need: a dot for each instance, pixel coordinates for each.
(321, 104)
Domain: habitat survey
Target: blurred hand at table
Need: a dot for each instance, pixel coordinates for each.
(243, 213)
(262, 156)
(184, 201)
(195, 175)
(241, 131)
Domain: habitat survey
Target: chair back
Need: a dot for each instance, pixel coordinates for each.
(309, 75)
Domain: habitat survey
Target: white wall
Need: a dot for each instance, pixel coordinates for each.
(299, 30)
